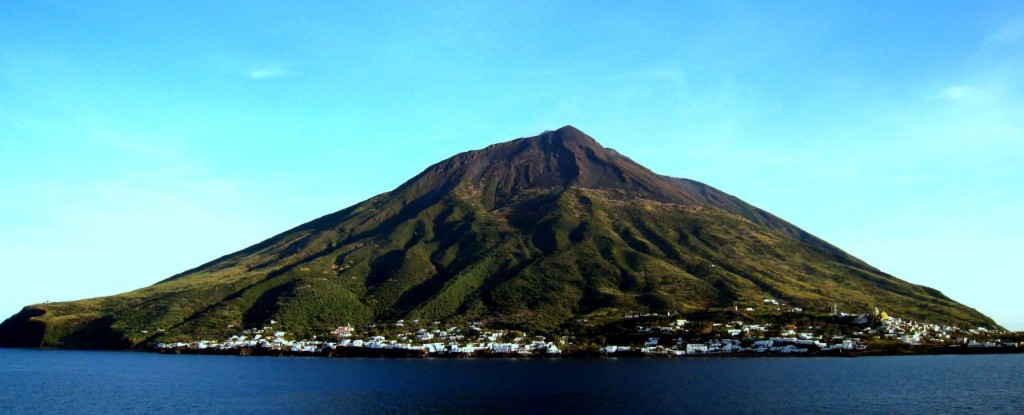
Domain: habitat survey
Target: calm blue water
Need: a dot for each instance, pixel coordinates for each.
(50, 381)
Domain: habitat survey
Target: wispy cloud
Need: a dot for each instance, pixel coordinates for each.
(269, 72)
(1008, 33)
(150, 147)
(664, 73)
(957, 92)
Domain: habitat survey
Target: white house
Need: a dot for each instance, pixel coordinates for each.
(694, 348)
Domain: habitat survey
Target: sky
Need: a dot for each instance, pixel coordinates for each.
(141, 139)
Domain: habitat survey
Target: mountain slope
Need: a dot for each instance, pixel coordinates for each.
(532, 233)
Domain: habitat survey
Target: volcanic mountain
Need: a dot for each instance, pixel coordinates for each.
(532, 233)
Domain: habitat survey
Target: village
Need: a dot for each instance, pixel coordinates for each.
(845, 334)
(439, 341)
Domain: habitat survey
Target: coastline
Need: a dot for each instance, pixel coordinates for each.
(368, 352)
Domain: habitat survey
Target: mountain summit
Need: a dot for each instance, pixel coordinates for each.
(536, 233)
(561, 159)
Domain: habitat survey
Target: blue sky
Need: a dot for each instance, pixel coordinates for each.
(140, 139)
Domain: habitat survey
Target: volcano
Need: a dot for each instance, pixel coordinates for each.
(533, 233)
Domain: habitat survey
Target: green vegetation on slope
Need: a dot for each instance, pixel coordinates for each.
(531, 234)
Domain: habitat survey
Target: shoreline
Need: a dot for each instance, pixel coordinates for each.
(366, 352)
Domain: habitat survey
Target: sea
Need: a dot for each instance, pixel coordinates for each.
(99, 382)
